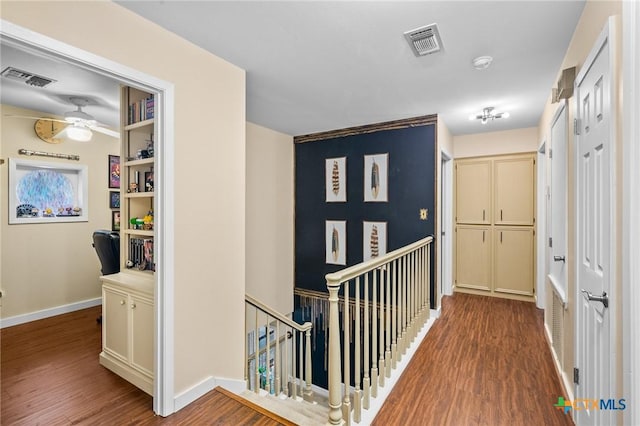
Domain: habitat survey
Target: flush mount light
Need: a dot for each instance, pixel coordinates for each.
(482, 62)
(488, 114)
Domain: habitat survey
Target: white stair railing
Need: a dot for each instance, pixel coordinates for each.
(271, 362)
(399, 283)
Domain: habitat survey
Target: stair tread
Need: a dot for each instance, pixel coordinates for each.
(298, 411)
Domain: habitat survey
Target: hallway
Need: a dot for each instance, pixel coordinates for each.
(485, 361)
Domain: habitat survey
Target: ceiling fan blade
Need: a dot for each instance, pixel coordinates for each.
(105, 131)
(35, 118)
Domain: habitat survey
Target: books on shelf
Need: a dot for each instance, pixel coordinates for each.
(141, 254)
(141, 110)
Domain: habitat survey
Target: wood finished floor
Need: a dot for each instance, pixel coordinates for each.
(484, 362)
(50, 375)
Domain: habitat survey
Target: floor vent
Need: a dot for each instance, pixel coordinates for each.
(26, 77)
(424, 40)
(557, 325)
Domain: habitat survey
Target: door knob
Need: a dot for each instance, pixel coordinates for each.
(604, 299)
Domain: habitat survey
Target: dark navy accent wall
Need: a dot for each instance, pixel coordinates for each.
(411, 187)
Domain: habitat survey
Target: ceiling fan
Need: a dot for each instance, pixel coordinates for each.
(77, 125)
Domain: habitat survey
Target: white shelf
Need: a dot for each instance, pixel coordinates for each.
(138, 125)
(140, 232)
(148, 194)
(140, 162)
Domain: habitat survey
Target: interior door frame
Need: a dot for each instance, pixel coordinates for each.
(163, 401)
(541, 225)
(607, 35)
(446, 215)
(631, 205)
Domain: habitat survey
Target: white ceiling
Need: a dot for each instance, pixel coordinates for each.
(314, 66)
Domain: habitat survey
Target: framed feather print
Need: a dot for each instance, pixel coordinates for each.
(336, 180)
(336, 242)
(376, 177)
(374, 240)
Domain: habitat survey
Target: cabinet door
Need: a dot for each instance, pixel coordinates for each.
(142, 334)
(514, 260)
(473, 257)
(473, 192)
(115, 319)
(514, 191)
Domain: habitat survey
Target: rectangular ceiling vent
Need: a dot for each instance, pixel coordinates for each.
(26, 77)
(424, 40)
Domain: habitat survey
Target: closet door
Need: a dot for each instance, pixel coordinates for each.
(514, 260)
(473, 257)
(473, 192)
(514, 191)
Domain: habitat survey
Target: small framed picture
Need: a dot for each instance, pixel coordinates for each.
(148, 181)
(336, 242)
(115, 220)
(376, 176)
(336, 180)
(374, 240)
(114, 199)
(114, 171)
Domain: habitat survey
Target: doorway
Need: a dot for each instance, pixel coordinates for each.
(163, 403)
(446, 217)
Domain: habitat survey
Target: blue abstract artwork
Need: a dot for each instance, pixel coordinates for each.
(45, 189)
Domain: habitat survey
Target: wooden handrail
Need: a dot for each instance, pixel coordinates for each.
(277, 315)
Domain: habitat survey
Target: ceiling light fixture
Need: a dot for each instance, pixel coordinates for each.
(482, 62)
(488, 114)
(76, 132)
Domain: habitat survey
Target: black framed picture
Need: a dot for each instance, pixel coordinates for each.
(114, 171)
(114, 199)
(115, 220)
(148, 181)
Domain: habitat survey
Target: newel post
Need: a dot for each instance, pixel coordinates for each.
(335, 393)
(308, 393)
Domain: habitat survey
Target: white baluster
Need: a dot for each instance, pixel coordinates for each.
(387, 354)
(346, 356)
(301, 364)
(381, 330)
(394, 316)
(294, 381)
(308, 394)
(374, 339)
(357, 397)
(366, 383)
(267, 386)
(276, 382)
(256, 353)
(335, 416)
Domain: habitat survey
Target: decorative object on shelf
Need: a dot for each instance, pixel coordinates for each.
(336, 242)
(142, 153)
(147, 221)
(43, 192)
(114, 171)
(133, 187)
(376, 177)
(115, 220)
(150, 149)
(114, 200)
(488, 114)
(141, 254)
(374, 239)
(141, 110)
(336, 180)
(23, 151)
(136, 222)
(148, 181)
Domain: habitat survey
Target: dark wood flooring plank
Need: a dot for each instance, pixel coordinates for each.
(485, 361)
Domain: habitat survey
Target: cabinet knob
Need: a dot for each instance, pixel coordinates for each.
(133, 306)
(122, 302)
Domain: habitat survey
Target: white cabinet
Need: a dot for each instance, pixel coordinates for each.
(514, 260)
(127, 327)
(473, 194)
(473, 254)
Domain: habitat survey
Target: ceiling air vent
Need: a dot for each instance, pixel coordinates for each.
(424, 40)
(27, 77)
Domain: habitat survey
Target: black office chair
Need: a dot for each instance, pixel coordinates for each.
(107, 245)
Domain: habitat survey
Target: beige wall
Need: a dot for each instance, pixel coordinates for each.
(49, 265)
(209, 167)
(269, 239)
(591, 24)
(496, 143)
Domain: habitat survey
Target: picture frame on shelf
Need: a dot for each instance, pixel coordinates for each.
(374, 240)
(114, 171)
(376, 178)
(115, 220)
(336, 180)
(114, 199)
(336, 242)
(148, 181)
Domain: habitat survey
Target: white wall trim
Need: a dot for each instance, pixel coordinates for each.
(164, 319)
(630, 208)
(50, 312)
(205, 386)
(566, 383)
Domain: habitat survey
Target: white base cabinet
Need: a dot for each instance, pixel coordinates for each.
(127, 327)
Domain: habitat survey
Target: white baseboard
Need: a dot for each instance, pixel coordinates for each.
(207, 385)
(50, 312)
(565, 382)
(435, 313)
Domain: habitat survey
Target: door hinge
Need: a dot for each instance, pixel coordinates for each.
(576, 375)
(576, 126)
(550, 242)
(550, 153)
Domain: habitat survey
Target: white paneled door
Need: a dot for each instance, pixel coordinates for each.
(594, 234)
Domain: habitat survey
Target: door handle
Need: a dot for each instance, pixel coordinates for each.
(483, 236)
(559, 259)
(500, 214)
(604, 299)
(483, 214)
